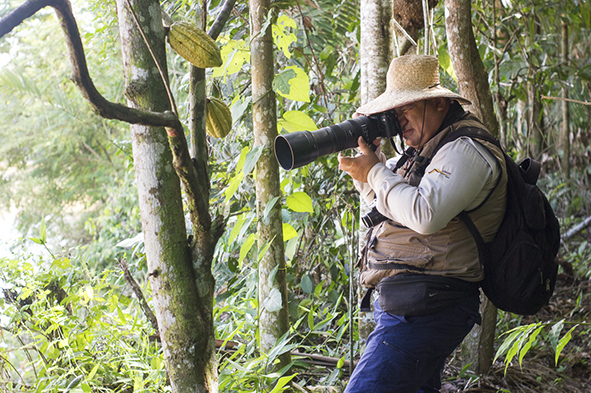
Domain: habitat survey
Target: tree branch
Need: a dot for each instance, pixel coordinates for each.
(182, 162)
(80, 75)
(221, 20)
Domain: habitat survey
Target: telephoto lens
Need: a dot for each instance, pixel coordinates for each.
(300, 148)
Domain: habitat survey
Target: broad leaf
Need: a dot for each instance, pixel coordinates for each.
(300, 202)
(293, 84)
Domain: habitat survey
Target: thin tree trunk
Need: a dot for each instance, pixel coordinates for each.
(374, 58)
(473, 84)
(183, 312)
(273, 317)
(565, 126)
(467, 64)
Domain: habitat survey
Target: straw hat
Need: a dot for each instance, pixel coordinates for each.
(410, 78)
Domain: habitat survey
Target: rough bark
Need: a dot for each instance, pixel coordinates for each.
(272, 323)
(473, 84)
(180, 269)
(181, 298)
(374, 59)
(467, 64)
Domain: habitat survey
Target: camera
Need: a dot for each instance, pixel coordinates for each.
(300, 148)
(373, 218)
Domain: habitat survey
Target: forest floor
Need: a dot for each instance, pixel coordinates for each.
(538, 372)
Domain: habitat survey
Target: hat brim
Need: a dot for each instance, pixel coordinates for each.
(394, 99)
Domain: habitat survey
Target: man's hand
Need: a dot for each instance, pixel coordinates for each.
(358, 167)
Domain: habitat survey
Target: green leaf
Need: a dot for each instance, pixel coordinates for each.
(251, 159)
(265, 248)
(296, 121)
(341, 362)
(246, 248)
(288, 232)
(236, 227)
(281, 383)
(36, 240)
(73, 383)
(233, 186)
(274, 302)
(300, 202)
(269, 206)
(239, 106)
(281, 35)
(43, 231)
(121, 316)
(562, 343)
(555, 333)
(531, 341)
(307, 284)
(293, 84)
(92, 372)
(234, 55)
(445, 62)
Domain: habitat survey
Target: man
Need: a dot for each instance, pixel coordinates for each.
(422, 259)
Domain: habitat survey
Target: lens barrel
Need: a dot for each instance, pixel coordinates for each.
(300, 148)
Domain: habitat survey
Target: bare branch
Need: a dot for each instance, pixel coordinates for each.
(139, 294)
(80, 75)
(221, 20)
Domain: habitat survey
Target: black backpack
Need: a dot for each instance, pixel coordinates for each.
(520, 263)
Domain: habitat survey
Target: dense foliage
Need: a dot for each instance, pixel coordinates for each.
(71, 322)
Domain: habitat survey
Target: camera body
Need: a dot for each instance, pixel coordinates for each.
(300, 148)
(373, 217)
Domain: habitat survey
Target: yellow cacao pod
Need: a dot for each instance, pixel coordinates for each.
(218, 118)
(194, 45)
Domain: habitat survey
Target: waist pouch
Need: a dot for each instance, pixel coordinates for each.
(419, 294)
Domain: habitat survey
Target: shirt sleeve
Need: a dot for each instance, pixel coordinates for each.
(459, 177)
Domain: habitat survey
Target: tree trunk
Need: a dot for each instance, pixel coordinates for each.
(565, 126)
(273, 308)
(374, 58)
(467, 64)
(182, 298)
(473, 84)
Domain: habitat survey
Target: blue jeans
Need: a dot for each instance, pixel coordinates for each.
(407, 354)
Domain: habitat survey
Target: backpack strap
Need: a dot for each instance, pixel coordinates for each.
(473, 133)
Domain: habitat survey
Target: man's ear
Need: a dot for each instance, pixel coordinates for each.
(442, 104)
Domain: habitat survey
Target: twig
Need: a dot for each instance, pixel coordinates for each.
(577, 228)
(139, 294)
(567, 99)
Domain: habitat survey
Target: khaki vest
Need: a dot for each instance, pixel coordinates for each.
(393, 249)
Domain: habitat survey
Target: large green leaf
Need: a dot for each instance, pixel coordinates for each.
(293, 84)
(300, 202)
(296, 121)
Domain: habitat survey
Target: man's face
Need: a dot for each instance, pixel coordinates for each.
(422, 116)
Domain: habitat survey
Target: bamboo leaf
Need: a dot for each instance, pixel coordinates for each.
(562, 343)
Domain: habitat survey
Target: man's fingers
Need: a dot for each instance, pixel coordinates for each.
(363, 146)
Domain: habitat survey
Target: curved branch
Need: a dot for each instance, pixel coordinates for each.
(109, 110)
(80, 75)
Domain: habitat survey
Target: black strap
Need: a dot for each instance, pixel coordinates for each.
(366, 301)
(394, 265)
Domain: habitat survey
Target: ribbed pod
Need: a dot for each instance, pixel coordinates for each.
(194, 45)
(218, 118)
